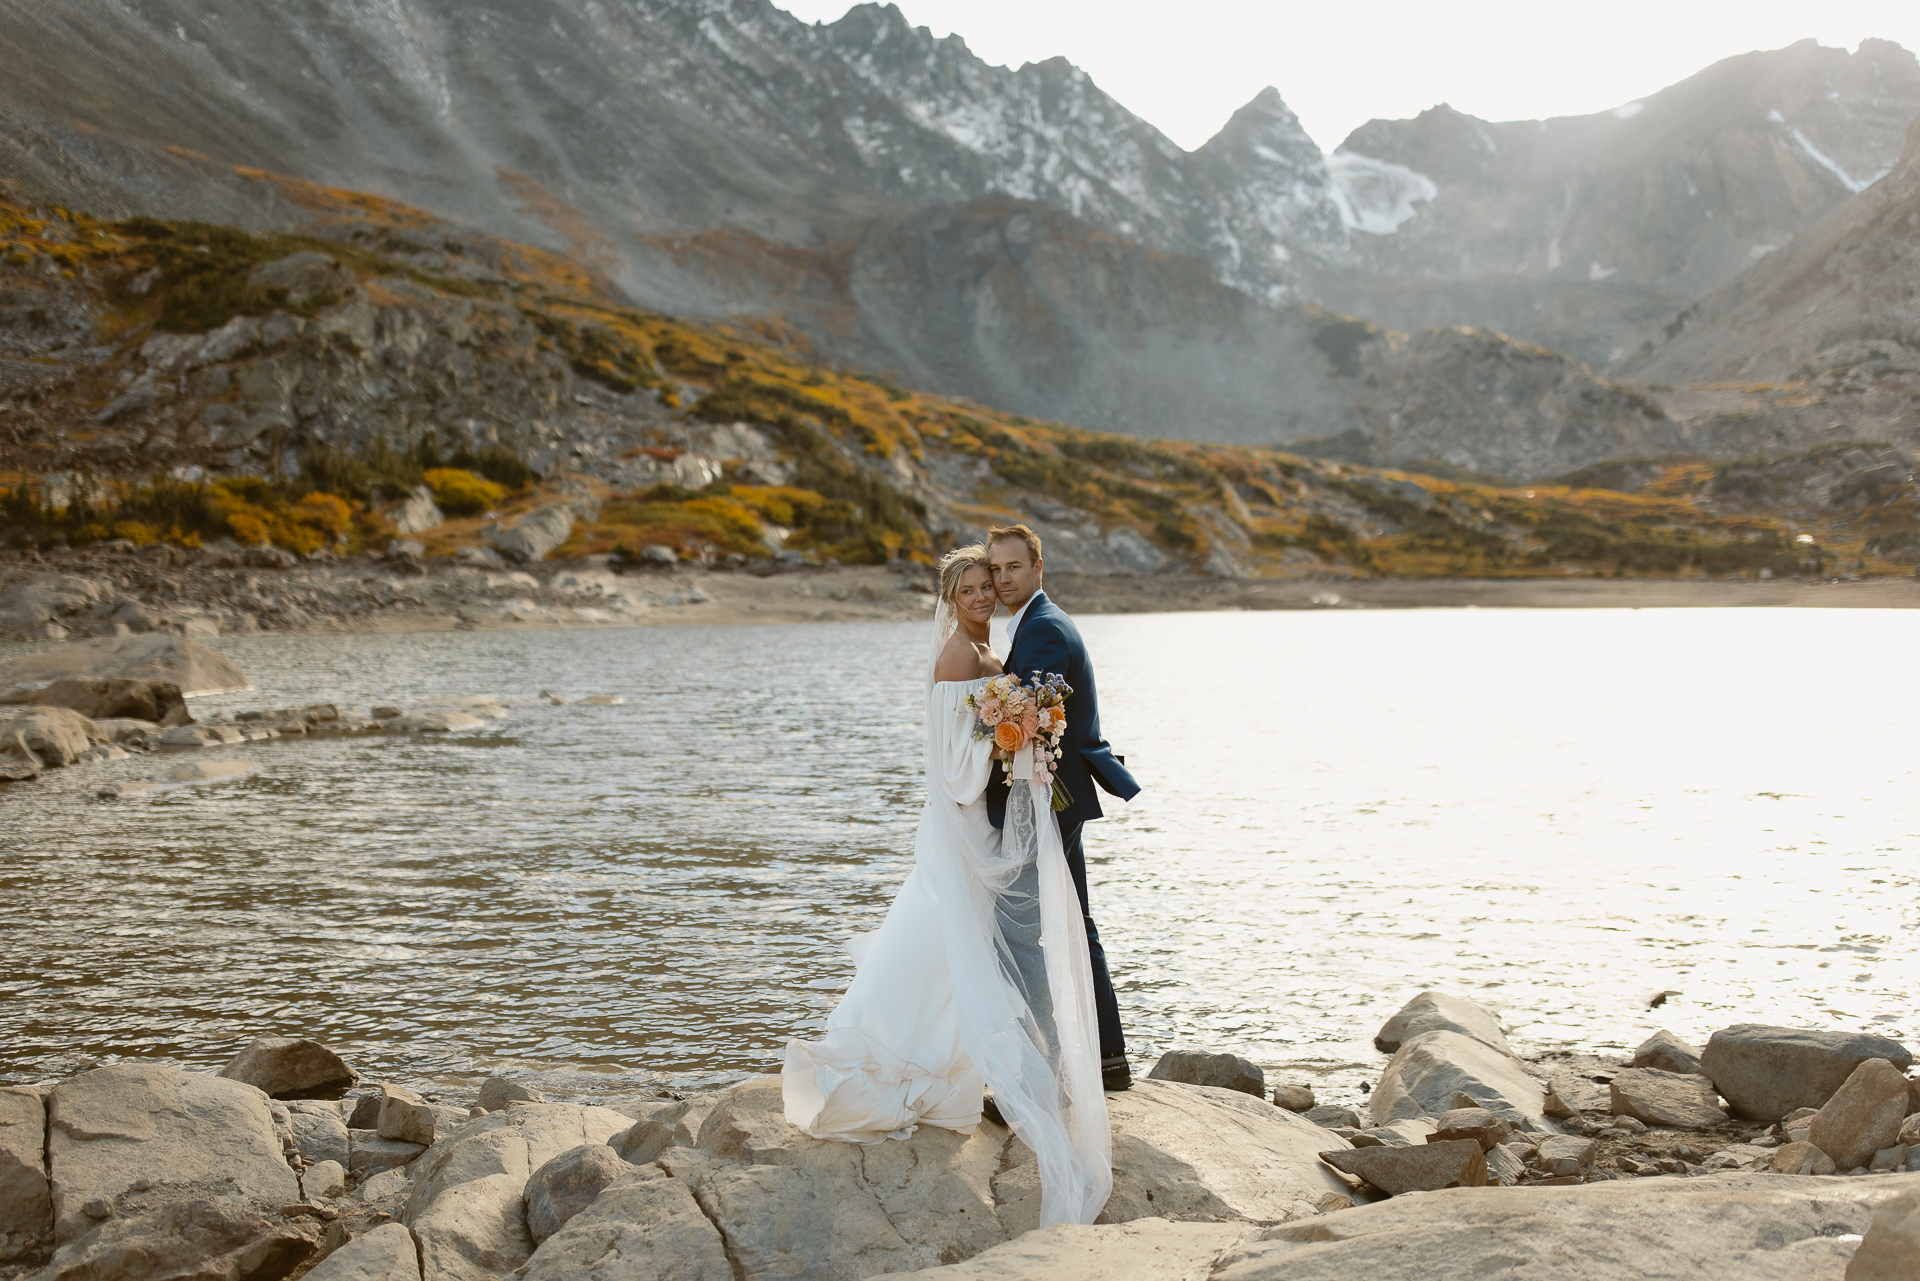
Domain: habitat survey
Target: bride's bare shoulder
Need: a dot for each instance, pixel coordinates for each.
(964, 660)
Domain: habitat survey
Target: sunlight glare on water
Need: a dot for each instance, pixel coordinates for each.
(1554, 812)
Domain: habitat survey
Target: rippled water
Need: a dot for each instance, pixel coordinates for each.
(1554, 812)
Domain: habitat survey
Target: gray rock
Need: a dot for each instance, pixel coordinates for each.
(533, 537)
(1667, 1052)
(1453, 1163)
(1223, 1071)
(647, 1138)
(1142, 1250)
(405, 549)
(1728, 1227)
(46, 737)
(1478, 1124)
(513, 1144)
(1329, 1115)
(435, 723)
(26, 1199)
(40, 601)
(1863, 1116)
(1394, 1134)
(1673, 1099)
(1562, 1154)
(391, 1184)
(1429, 1074)
(180, 1134)
(1766, 1072)
(306, 276)
(1890, 1248)
(498, 1091)
(320, 1136)
(385, 1253)
(192, 1240)
(647, 1227)
(325, 1179)
(1504, 1168)
(1430, 1011)
(1569, 1096)
(417, 513)
(286, 1068)
(405, 1116)
(191, 666)
(108, 698)
(1887, 1160)
(1800, 1157)
(1294, 1098)
(1910, 1130)
(365, 1114)
(568, 1184)
(368, 1153)
(473, 1231)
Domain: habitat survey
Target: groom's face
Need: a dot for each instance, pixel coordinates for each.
(1016, 573)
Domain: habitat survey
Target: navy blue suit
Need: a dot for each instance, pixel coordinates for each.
(1048, 642)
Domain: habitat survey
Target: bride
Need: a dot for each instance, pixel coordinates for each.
(980, 973)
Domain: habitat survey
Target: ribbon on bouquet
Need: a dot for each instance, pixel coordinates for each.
(1023, 764)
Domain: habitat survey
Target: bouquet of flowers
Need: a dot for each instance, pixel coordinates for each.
(1015, 715)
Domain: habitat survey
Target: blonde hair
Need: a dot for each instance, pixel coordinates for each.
(955, 564)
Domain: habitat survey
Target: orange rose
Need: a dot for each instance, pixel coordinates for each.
(1009, 737)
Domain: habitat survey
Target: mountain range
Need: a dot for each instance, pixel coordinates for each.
(886, 200)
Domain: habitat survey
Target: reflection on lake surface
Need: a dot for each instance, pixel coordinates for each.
(1552, 812)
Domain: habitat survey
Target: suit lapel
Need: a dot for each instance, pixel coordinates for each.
(1013, 641)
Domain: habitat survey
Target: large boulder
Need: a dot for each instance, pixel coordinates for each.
(45, 737)
(1143, 1250)
(498, 1091)
(27, 606)
(116, 697)
(533, 536)
(1225, 1071)
(1677, 1100)
(26, 1201)
(568, 1184)
(320, 1133)
(1426, 1167)
(467, 1207)
(136, 1136)
(1744, 1227)
(1863, 1116)
(288, 1068)
(417, 513)
(647, 1227)
(1437, 1011)
(384, 1253)
(191, 666)
(1891, 1248)
(1766, 1072)
(787, 1204)
(194, 1240)
(1430, 1072)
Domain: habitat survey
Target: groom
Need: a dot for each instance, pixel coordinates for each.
(1042, 639)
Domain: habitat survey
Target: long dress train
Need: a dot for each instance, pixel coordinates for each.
(979, 974)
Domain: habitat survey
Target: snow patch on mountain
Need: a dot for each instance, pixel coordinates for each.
(1376, 196)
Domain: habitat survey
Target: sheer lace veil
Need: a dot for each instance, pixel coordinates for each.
(945, 623)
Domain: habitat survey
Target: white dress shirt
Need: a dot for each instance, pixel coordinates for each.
(1013, 622)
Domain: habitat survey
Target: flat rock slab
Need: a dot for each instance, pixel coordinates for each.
(290, 1068)
(1891, 1250)
(1673, 1099)
(1225, 1071)
(185, 1134)
(385, 1253)
(1863, 1116)
(1437, 1011)
(1143, 1250)
(1449, 1163)
(1429, 1073)
(193, 667)
(194, 1240)
(1730, 1227)
(1766, 1072)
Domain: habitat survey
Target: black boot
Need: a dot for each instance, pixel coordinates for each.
(1115, 1075)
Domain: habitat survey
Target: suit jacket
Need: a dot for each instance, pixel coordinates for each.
(1049, 642)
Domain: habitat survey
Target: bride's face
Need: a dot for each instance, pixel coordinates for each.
(974, 599)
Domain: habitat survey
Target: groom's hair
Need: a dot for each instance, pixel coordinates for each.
(1021, 532)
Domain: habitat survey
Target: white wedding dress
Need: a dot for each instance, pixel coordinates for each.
(979, 975)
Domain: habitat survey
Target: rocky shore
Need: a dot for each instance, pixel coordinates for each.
(1774, 1154)
(112, 591)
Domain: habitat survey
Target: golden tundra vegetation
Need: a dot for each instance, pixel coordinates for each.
(861, 448)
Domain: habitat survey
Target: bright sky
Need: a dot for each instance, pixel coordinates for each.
(1187, 67)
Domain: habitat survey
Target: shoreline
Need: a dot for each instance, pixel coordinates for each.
(75, 597)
